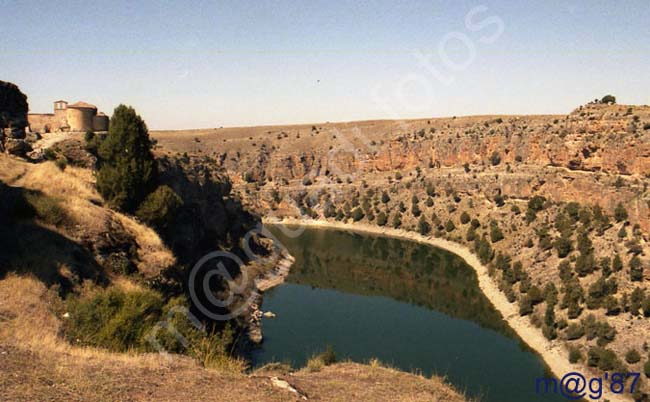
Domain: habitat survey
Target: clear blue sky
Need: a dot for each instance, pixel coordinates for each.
(209, 64)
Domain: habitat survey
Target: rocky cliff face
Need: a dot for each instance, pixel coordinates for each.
(596, 154)
(210, 216)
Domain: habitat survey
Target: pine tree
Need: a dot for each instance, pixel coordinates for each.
(128, 170)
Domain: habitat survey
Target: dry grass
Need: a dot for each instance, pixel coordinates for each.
(88, 219)
(153, 254)
(46, 177)
(315, 364)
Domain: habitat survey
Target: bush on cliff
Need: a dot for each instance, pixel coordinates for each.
(159, 208)
(423, 226)
(113, 319)
(636, 269)
(608, 99)
(357, 214)
(563, 245)
(128, 169)
(382, 219)
(620, 213)
(632, 356)
(136, 321)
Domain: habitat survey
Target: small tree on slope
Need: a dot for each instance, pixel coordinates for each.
(128, 170)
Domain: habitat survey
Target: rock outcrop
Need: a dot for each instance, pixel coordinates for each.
(13, 119)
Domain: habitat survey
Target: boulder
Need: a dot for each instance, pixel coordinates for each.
(17, 147)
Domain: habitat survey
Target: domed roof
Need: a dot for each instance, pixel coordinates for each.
(82, 105)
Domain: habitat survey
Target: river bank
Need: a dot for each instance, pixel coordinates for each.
(261, 284)
(553, 353)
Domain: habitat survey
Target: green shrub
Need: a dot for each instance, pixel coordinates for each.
(495, 232)
(617, 263)
(525, 306)
(606, 334)
(535, 295)
(89, 136)
(612, 306)
(608, 99)
(483, 249)
(397, 220)
(536, 203)
(423, 226)
(326, 358)
(124, 321)
(49, 154)
(61, 163)
(464, 218)
(449, 226)
(431, 191)
(314, 365)
(495, 158)
(620, 213)
(575, 331)
(128, 170)
(382, 219)
(574, 355)
(531, 215)
(357, 214)
(471, 234)
(159, 208)
(632, 356)
(211, 351)
(636, 269)
(604, 359)
(563, 246)
(549, 332)
(113, 319)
